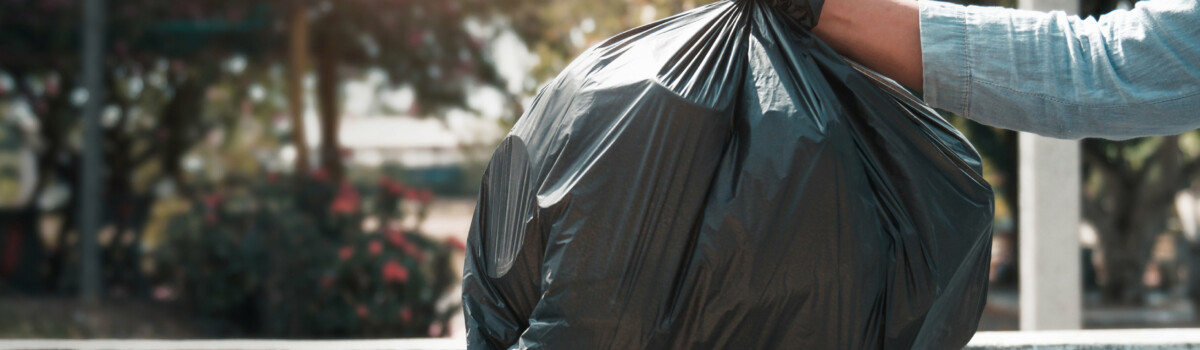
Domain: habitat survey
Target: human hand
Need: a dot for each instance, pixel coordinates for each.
(884, 35)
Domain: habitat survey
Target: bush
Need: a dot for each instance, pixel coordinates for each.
(307, 257)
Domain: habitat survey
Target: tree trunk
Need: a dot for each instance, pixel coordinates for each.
(1123, 266)
(1010, 168)
(1127, 243)
(1193, 277)
(297, 66)
(327, 105)
(55, 121)
(21, 254)
(178, 130)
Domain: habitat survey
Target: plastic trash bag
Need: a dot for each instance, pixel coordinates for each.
(722, 179)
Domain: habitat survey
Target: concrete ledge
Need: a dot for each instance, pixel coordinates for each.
(1126, 339)
(1131, 339)
(236, 344)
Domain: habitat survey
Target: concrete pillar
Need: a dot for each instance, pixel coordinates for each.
(1070, 6)
(1051, 287)
(1050, 259)
(89, 184)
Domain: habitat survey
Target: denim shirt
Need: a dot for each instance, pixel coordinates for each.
(1130, 73)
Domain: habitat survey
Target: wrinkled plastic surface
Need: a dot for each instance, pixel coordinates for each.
(722, 179)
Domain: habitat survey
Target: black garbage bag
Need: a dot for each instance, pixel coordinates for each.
(721, 179)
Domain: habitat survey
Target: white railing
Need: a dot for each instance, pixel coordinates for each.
(1127, 339)
(236, 344)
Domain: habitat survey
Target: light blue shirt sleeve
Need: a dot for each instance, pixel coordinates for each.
(1130, 73)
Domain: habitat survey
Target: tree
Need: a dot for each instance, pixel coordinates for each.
(416, 43)
(169, 67)
(1129, 196)
(153, 111)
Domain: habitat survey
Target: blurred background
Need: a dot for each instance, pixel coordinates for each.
(308, 169)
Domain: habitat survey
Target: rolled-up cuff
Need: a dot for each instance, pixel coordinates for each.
(945, 56)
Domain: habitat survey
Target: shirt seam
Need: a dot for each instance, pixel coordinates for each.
(966, 98)
(1076, 104)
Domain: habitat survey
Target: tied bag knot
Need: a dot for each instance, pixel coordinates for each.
(804, 11)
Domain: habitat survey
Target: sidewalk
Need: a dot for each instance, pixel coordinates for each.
(1131, 339)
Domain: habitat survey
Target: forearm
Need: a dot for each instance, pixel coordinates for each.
(1127, 74)
(881, 34)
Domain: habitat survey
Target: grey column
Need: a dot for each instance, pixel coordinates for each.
(89, 183)
(1050, 213)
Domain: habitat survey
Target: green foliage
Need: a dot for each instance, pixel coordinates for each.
(307, 257)
(557, 31)
(180, 73)
(419, 43)
(1129, 195)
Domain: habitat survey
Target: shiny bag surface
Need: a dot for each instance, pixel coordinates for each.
(721, 179)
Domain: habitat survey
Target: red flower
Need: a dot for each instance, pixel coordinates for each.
(392, 187)
(326, 281)
(346, 252)
(163, 293)
(346, 201)
(362, 311)
(425, 196)
(396, 238)
(393, 271)
(477, 43)
(450, 7)
(405, 314)
(411, 250)
(320, 174)
(457, 244)
(343, 206)
(50, 87)
(212, 200)
(272, 177)
(12, 252)
(375, 247)
(415, 38)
